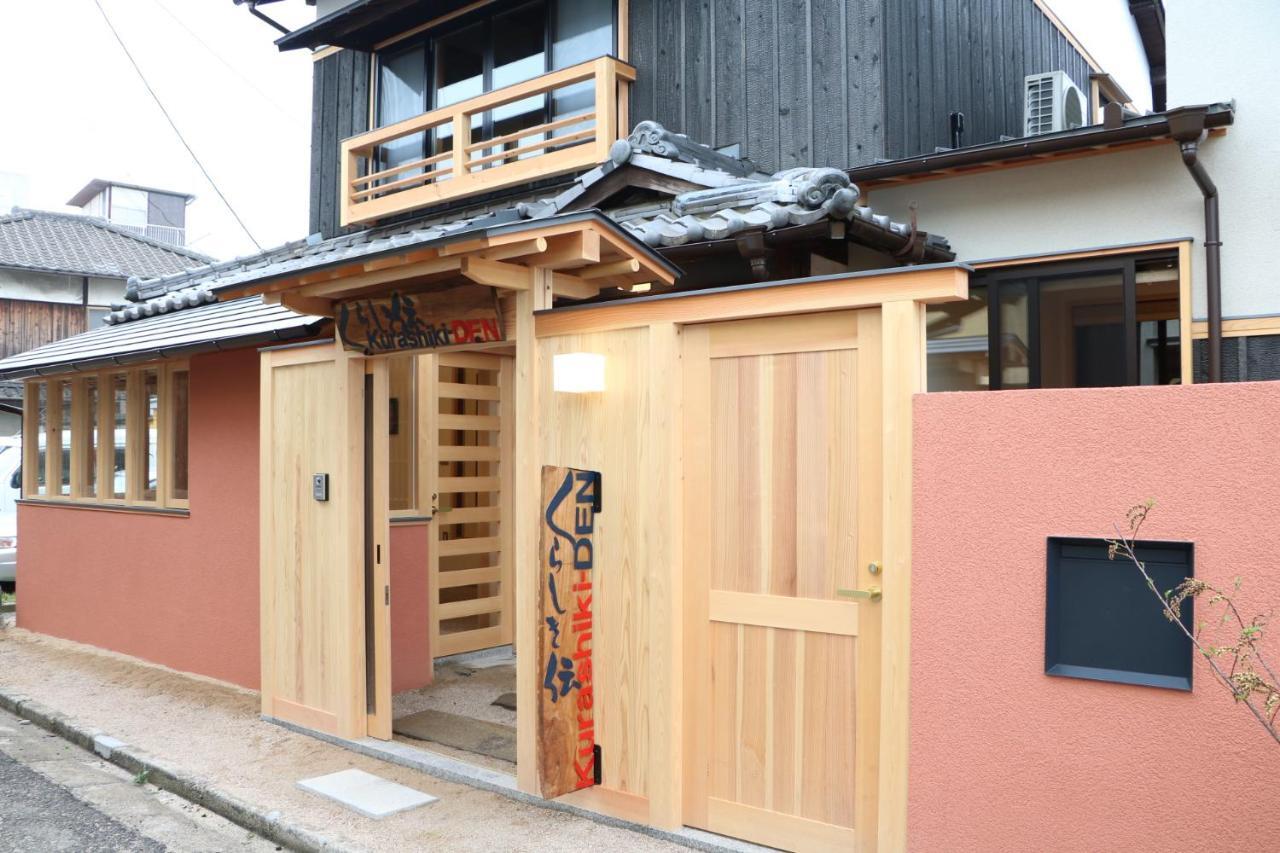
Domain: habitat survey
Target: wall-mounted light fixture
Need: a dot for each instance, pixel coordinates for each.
(577, 372)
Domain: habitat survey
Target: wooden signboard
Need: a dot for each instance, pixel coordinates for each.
(566, 721)
(463, 314)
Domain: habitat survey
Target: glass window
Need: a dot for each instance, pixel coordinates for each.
(129, 207)
(583, 31)
(180, 387)
(119, 445)
(958, 346)
(519, 53)
(42, 438)
(90, 472)
(402, 90)
(151, 410)
(64, 438)
(1082, 335)
(1103, 322)
(458, 74)
(167, 210)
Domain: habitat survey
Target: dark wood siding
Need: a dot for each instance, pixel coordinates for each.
(26, 324)
(942, 56)
(795, 82)
(339, 108)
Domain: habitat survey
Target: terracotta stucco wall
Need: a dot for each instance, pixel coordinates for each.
(183, 592)
(1004, 757)
(178, 591)
(410, 631)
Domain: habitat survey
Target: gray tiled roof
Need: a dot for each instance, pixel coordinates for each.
(247, 321)
(728, 195)
(85, 245)
(734, 196)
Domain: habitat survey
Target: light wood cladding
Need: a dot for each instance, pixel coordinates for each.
(313, 609)
(772, 676)
(470, 580)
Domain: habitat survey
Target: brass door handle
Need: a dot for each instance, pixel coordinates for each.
(871, 593)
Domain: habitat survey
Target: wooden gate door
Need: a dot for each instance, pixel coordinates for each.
(322, 547)
(782, 508)
(471, 585)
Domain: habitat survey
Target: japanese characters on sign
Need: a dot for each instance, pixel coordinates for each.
(463, 314)
(566, 720)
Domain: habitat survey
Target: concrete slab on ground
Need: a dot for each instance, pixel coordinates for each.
(370, 795)
(478, 736)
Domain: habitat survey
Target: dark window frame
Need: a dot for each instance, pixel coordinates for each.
(1033, 276)
(486, 16)
(1148, 551)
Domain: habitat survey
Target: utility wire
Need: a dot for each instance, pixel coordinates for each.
(174, 125)
(236, 71)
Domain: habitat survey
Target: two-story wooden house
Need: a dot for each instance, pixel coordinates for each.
(594, 350)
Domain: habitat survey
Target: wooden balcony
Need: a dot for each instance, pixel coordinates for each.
(462, 166)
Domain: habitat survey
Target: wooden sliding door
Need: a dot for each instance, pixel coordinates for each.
(470, 561)
(323, 551)
(782, 508)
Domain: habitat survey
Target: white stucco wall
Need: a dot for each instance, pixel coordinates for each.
(1217, 52)
(65, 289)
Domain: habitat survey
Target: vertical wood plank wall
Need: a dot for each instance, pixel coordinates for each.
(630, 434)
(796, 82)
(26, 324)
(942, 56)
(339, 108)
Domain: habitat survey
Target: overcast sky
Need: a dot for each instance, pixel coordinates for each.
(72, 107)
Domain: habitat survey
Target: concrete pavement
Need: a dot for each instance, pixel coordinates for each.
(55, 796)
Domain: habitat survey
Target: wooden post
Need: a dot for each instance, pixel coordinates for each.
(528, 497)
(662, 501)
(903, 374)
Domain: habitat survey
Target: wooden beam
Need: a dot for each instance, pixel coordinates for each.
(536, 246)
(563, 284)
(629, 266)
(384, 276)
(496, 273)
(824, 293)
(313, 305)
(572, 250)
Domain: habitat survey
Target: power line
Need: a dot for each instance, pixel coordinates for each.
(236, 71)
(174, 125)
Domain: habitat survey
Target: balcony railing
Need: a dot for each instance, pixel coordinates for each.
(463, 166)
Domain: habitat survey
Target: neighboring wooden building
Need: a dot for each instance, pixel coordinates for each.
(352, 450)
(60, 273)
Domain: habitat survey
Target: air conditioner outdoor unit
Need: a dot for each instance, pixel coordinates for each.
(1051, 103)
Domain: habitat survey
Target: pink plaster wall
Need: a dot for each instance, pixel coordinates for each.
(1004, 757)
(183, 591)
(410, 631)
(177, 591)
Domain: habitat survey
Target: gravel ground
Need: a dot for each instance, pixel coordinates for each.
(213, 730)
(465, 691)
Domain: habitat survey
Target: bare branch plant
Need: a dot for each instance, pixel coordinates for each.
(1249, 677)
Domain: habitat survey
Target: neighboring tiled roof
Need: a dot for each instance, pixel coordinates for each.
(224, 325)
(85, 245)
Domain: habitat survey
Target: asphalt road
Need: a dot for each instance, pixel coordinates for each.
(55, 796)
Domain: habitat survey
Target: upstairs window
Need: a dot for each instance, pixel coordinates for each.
(1092, 323)
(494, 48)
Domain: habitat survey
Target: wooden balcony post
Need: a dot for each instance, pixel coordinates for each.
(461, 142)
(606, 108)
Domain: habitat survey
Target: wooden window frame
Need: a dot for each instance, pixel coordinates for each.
(136, 457)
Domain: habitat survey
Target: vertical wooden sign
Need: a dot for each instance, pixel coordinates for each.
(566, 721)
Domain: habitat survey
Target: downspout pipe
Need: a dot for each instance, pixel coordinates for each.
(1187, 126)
